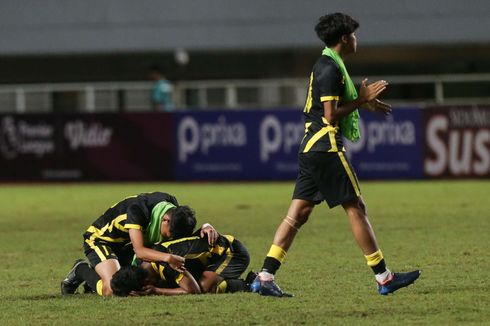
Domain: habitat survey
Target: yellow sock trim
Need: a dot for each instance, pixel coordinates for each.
(277, 253)
(374, 258)
(222, 287)
(99, 287)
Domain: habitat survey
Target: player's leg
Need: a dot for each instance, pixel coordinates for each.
(388, 282)
(105, 261)
(106, 270)
(305, 197)
(298, 214)
(363, 233)
(228, 269)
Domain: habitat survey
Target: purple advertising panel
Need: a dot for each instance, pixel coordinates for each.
(134, 146)
(390, 146)
(238, 145)
(457, 142)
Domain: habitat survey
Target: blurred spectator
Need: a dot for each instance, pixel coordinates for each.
(161, 95)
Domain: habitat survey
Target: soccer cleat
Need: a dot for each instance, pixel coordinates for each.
(249, 279)
(267, 288)
(398, 281)
(70, 284)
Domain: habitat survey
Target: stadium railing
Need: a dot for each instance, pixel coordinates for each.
(422, 90)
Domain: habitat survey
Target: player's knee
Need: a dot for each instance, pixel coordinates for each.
(362, 206)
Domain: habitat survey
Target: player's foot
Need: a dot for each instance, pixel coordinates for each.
(249, 279)
(265, 285)
(398, 281)
(87, 289)
(70, 284)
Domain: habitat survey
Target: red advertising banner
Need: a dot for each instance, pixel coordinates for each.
(457, 142)
(135, 146)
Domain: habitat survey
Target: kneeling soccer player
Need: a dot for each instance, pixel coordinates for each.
(123, 230)
(217, 269)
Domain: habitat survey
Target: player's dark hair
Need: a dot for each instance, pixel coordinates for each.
(155, 67)
(183, 222)
(127, 279)
(331, 27)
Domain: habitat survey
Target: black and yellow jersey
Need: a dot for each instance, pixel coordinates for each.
(198, 255)
(326, 84)
(131, 213)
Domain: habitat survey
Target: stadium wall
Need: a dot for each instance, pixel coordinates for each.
(412, 143)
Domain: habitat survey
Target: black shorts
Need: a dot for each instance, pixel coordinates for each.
(97, 251)
(233, 263)
(326, 176)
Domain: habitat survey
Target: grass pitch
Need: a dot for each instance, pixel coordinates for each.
(442, 228)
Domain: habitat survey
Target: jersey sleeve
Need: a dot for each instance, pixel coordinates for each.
(329, 81)
(138, 217)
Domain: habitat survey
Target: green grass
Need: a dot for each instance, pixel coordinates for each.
(442, 228)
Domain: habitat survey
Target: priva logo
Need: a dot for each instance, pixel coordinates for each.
(194, 137)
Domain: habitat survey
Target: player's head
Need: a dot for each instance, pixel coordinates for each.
(155, 71)
(127, 279)
(180, 222)
(337, 28)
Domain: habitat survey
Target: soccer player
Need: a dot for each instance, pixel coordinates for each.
(124, 230)
(325, 173)
(217, 269)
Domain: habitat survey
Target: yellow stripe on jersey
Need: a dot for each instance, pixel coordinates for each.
(168, 243)
(116, 223)
(307, 125)
(322, 132)
(97, 234)
(329, 98)
(133, 226)
(229, 256)
(179, 278)
(352, 178)
(219, 250)
(309, 99)
(333, 142)
(96, 249)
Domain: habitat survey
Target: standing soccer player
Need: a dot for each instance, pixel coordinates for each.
(324, 171)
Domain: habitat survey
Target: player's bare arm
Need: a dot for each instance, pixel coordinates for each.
(367, 94)
(147, 254)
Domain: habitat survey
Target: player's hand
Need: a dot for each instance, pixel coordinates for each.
(378, 106)
(146, 290)
(176, 262)
(367, 93)
(210, 231)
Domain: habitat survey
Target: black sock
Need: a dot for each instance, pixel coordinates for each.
(271, 265)
(234, 285)
(85, 273)
(380, 268)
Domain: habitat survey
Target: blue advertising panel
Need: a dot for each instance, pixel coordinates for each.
(237, 145)
(391, 147)
(262, 145)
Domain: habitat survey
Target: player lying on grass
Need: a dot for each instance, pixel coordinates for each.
(325, 173)
(216, 268)
(122, 232)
